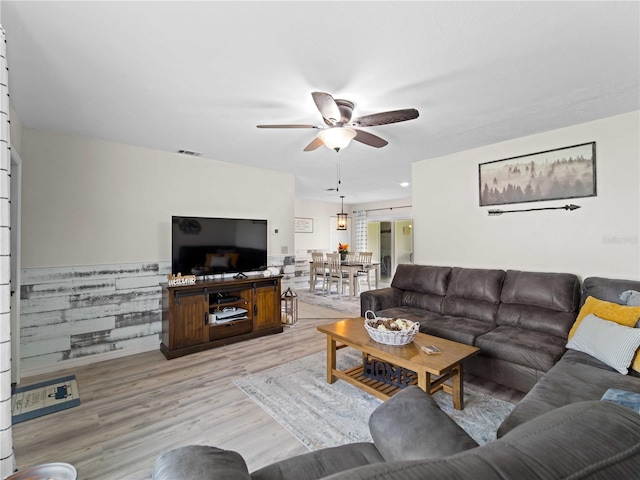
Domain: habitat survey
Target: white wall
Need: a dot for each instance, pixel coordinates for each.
(385, 210)
(324, 225)
(599, 239)
(325, 236)
(88, 201)
(96, 239)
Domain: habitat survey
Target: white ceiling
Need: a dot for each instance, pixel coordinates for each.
(201, 75)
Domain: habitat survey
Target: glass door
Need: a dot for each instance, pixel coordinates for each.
(391, 242)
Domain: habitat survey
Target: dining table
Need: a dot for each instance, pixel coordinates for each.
(352, 268)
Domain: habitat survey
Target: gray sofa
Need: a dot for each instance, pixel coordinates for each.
(414, 439)
(519, 320)
(576, 376)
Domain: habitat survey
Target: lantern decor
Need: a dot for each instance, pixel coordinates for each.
(342, 217)
(289, 308)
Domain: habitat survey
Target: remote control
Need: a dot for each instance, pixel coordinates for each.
(431, 349)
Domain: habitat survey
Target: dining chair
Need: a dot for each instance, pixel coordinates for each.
(351, 257)
(319, 271)
(365, 258)
(336, 274)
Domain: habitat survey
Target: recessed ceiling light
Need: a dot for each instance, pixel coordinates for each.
(404, 184)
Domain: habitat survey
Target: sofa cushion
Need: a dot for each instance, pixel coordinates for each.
(575, 378)
(458, 329)
(425, 301)
(422, 278)
(522, 346)
(545, 302)
(535, 318)
(473, 293)
(553, 291)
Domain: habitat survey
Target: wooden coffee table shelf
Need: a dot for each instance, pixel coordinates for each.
(374, 387)
(432, 370)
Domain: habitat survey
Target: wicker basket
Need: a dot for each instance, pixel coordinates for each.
(389, 337)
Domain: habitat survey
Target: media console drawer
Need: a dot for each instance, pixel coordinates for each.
(231, 329)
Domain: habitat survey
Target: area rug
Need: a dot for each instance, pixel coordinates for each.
(44, 398)
(323, 415)
(351, 308)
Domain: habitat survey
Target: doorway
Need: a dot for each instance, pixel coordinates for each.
(391, 242)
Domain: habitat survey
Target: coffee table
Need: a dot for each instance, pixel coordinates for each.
(432, 370)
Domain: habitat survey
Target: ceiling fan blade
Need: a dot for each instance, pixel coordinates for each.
(316, 143)
(327, 106)
(385, 118)
(287, 126)
(370, 139)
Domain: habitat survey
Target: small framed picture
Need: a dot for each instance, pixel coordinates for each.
(302, 225)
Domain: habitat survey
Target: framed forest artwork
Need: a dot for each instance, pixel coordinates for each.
(568, 172)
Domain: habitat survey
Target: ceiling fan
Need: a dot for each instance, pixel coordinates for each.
(340, 128)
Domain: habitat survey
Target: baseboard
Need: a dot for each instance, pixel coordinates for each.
(87, 360)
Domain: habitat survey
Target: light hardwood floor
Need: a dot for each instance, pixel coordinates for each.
(134, 408)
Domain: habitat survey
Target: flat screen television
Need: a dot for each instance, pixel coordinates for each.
(209, 246)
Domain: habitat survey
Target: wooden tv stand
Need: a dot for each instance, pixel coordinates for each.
(186, 310)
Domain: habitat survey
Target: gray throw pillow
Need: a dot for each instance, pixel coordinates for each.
(609, 342)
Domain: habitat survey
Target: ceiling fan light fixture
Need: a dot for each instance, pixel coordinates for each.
(336, 138)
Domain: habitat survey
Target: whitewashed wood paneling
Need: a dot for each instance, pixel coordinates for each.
(77, 311)
(74, 312)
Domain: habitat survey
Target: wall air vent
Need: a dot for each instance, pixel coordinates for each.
(190, 152)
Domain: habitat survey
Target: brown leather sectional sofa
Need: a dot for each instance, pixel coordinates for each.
(519, 320)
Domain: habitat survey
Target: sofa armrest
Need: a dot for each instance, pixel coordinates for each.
(321, 463)
(411, 426)
(380, 299)
(199, 462)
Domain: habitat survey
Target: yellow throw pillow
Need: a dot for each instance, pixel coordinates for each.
(621, 314)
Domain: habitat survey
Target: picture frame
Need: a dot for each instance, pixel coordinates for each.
(568, 172)
(302, 225)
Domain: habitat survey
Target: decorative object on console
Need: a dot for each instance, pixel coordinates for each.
(500, 212)
(289, 308)
(342, 217)
(568, 172)
(178, 279)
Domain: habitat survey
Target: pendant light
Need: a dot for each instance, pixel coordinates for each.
(342, 217)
